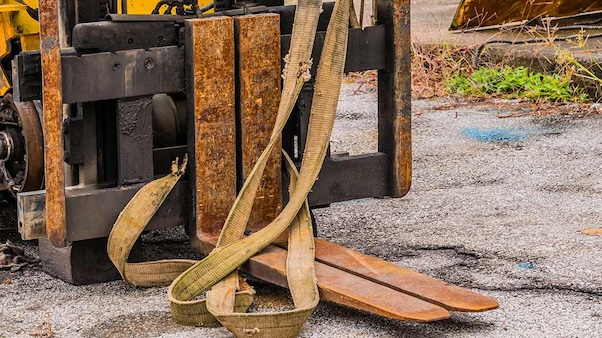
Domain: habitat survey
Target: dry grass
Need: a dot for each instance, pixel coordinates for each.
(366, 81)
(432, 68)
(43, 330)
(514, 108)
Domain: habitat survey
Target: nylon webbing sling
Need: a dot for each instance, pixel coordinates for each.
(227, 298)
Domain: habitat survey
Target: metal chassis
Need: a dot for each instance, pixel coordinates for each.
(126, 80)
(112, 120)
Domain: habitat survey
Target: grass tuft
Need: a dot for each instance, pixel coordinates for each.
(516, 83)
(431, 67)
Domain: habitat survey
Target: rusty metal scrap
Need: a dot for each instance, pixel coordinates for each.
(211, 113)
(259, 79)
(483, 13)
(53, 121)
(13, 257)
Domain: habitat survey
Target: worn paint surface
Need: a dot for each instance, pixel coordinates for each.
(211, 116)
(514, 134)
(259, 96)
(134, 140)
(394, 96)
(482, 13)
(54, 172)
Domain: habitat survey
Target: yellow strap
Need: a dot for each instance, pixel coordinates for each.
(227, 300)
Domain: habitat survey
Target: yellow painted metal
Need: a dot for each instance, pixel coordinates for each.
(24, 24)
(12, 8)
(30, 42)
(7, 32)
(483, 13)
(146, 7)
(16, 22)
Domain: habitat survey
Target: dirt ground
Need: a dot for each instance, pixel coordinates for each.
(497, 205)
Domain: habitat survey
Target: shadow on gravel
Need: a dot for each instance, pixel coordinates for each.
(338, 316)
(8, 216)
(140, 324)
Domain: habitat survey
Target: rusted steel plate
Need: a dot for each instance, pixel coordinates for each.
(483, 13)
(344, 288)
(404, 280)
(259, 95)
(395, 96)
(211, 119)
(54, 172)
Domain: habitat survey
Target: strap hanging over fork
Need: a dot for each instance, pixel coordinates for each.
(228, 298)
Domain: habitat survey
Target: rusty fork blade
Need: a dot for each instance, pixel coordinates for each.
(54, 171)
(451, 297)
(345, 288)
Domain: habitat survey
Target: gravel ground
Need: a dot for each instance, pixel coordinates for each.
(497, 205)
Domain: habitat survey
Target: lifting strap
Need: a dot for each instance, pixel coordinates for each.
(227, 297)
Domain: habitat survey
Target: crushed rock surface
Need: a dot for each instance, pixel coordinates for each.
(501, 215)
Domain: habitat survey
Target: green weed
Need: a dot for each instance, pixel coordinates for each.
(515, 82)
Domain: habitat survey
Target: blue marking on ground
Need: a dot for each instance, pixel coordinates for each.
(525, 265)
(497, 135)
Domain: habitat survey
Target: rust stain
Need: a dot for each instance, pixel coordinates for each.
(401, 279)
(394, 87)
(53, 118)
(259, 79)
(482, 13)
(32, 131)
(403, 123)
(214, 120)
(336, 285)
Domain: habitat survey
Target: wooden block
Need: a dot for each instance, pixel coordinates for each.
(211, 121)
(258, 71)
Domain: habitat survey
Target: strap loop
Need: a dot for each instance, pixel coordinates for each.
(229, 298)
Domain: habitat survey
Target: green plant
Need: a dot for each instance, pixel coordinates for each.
(585, 66)
(516, 82)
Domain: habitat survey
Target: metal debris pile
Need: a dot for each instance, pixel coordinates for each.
(13, 257)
